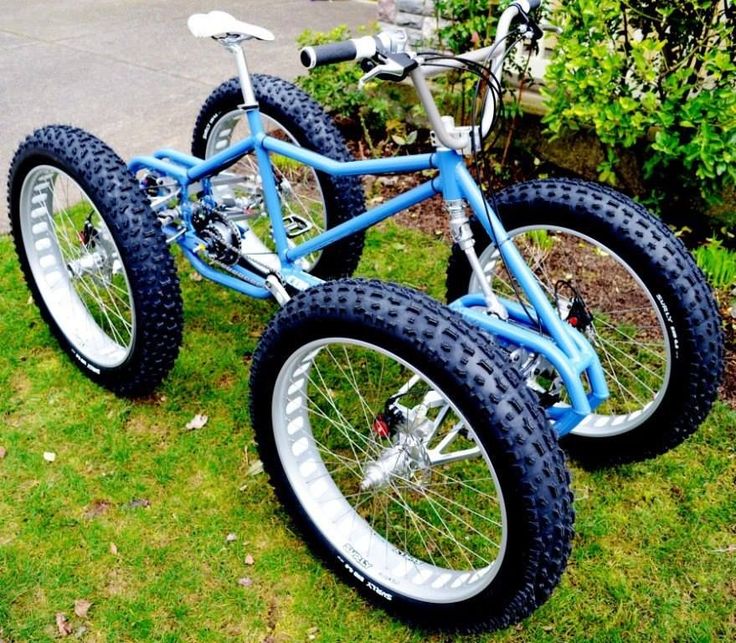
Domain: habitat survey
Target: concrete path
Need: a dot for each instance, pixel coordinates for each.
(129, 71)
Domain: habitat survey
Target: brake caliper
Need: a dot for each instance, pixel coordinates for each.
(578, 314)
(87, 234)
(385, 423)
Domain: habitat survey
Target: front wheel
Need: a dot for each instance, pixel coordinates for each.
(654, 325)
(408, 452)
(95, 259)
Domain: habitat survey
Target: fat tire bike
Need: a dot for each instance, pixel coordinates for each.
(414, 444)
(608, 266)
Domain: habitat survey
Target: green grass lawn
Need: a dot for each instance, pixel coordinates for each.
(134, 513)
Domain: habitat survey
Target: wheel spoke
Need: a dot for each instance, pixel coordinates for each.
(81, 278)
(628, 356)
(419, 521)
(303, 198)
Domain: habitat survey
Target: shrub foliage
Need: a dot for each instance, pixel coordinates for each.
(658, 78)
(336, 87)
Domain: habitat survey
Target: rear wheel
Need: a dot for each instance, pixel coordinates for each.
(311, 201)
(654, 322)
(95, 259)
(410, 457)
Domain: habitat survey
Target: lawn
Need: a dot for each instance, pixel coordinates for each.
(174, 534)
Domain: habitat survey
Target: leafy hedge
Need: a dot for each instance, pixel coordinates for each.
(657, 78)
(376, 110)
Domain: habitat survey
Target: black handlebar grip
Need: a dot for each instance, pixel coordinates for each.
(336, 52)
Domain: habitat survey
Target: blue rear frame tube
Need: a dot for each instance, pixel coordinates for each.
(165, 167)
(186, 160)
(221, 160)
(268, 181)
(189, 243)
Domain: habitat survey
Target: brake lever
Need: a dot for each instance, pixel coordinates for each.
(549, 27)
(391, 67)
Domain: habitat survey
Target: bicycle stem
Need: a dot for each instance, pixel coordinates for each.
(495, 52)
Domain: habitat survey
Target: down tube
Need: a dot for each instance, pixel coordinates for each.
(365, 220)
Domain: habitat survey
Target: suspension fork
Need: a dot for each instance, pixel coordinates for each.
(462, 233)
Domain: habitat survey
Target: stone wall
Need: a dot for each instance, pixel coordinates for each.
(417, 17)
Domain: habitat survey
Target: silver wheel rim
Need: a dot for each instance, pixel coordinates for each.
(405, 534)
(77, 270)
(637, 367)
(305, 198)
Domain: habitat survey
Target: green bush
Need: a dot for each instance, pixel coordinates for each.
(472, 23)
(335, 87)
(657, 78)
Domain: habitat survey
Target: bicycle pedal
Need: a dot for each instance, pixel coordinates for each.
(296, 225)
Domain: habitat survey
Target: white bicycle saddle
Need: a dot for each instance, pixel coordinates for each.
(220, 23)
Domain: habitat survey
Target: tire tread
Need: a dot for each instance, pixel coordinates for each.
(142, 244)
(487, 382)
(657, 255)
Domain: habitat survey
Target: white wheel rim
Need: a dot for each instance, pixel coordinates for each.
(84, 286)
(401, 557)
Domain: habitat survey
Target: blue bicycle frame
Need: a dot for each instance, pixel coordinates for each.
(564, 347)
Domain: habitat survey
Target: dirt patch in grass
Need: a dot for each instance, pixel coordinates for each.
(226, 381)
(728, 388)
(118, 583)
(20, 383)
(96, 508)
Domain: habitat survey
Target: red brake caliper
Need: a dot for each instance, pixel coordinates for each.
(380, 426)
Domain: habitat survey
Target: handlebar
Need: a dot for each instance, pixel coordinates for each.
(386, 42)
(338, 52)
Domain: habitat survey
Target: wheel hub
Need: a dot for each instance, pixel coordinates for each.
(406, 459)
(100, 260)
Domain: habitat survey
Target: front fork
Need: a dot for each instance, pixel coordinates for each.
(535, 326)
(462, 235)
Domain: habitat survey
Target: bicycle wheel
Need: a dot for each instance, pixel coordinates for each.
(410, 455)
(654, 322)
(95, 259)
(311, 201)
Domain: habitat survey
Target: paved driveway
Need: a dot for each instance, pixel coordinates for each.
(129, 71)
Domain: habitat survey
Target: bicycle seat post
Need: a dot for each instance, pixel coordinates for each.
(233, 45)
